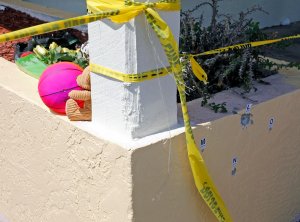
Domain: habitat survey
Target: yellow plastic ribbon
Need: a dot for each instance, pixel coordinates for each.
(202, 178)
(198, 70)
(246, 45)
(121, 11)
(133, 77)
(56, 25)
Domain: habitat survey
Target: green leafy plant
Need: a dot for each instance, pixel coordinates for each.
(225, 70)
(57, 54)
(218, 108)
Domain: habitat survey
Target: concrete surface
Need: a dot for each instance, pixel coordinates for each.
(73, 6)
(290, 53)
(236, 100)
(278, 10)
(49, 169)
(133, 110)
(39, 11)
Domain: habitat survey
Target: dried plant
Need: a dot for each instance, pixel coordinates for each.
(238, 68)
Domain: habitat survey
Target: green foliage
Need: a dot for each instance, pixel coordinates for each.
(225, 70)
(218, 108)
(57, 54)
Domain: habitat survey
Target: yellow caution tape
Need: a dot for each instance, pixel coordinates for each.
(198, 70)
(201, 74)
(245, 46)
(202, 178)
(136, 77)
(56, 25)
(120, 11)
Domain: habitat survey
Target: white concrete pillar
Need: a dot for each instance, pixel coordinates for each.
(132, 110)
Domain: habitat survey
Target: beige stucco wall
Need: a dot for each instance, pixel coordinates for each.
(51, 170)
(265, 188)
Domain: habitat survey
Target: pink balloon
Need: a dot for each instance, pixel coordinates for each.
(55, 84)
